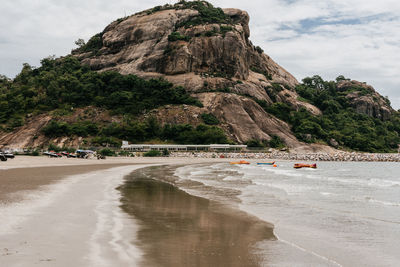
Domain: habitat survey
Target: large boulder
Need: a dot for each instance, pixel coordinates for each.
(366, 100)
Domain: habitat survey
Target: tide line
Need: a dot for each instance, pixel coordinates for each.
(308, 251)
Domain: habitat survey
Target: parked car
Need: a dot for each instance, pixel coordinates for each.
(85, 154)
(52, 154)
(6, 155)
(3, 157)
(9, 155)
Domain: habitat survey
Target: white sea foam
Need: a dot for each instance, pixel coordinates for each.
(328, 201)
(382, 202)
(200, 173)
(326, 193)
(233, 178)
(184, 172)
(285, 172)
(382, 182)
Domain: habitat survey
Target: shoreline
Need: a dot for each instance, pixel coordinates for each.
(181, 229)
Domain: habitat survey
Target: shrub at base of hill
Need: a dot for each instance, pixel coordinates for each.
(107, 152)
(152, 153)
(187, 134)
(35, 153)
(165, 152)
(276, 142)
(106, 141)
(137, 132)
(255, 143)
(125, 154)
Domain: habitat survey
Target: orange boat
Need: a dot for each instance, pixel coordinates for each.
(240, 162)
(302, 165)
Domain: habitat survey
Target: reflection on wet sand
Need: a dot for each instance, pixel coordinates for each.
(179, 229)
(19, 180)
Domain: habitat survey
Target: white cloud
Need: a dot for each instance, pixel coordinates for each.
(357, 38)
(367, 48)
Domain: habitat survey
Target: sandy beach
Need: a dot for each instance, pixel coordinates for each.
(26, 173)
(67, 212)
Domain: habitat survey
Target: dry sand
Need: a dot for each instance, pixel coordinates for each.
(66, 212)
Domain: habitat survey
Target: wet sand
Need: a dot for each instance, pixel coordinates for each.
(15, 182)
(179, 229)
(75, 221)
(25, 173)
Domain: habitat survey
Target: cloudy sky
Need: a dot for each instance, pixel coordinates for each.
(359, 39)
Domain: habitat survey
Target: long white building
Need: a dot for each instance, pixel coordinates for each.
(214, 147)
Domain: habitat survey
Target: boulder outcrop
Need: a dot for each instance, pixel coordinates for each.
(366, 100)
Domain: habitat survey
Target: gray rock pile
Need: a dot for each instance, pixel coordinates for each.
(340, 156)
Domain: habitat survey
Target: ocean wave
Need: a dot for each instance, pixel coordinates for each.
(382, 202)
(232, 178)
(383, 182)
(327, 194)
(289, 189)
(331, 261)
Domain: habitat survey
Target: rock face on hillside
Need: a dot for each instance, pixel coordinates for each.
(366, 100)
(26, 136)
(241, 118)
(30, 135)
(140, 44)
(208, 57)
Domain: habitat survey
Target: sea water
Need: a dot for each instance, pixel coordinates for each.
(340, 214)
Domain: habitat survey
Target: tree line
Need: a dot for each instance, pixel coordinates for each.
(339, 119)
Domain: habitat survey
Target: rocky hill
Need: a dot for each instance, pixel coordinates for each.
(206, 51)
(210, 56)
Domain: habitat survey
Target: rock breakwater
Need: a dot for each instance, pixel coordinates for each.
(340, 156)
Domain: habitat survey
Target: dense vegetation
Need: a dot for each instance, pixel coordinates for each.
(66, 84)
(207, 13)
(176, 36)
(135, 131)
(93, 45)
(339, 121)
(209, 119)
(275, 142)
(152, 153)
(61, 85)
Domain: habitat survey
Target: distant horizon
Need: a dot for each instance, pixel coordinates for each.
(358, 40)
